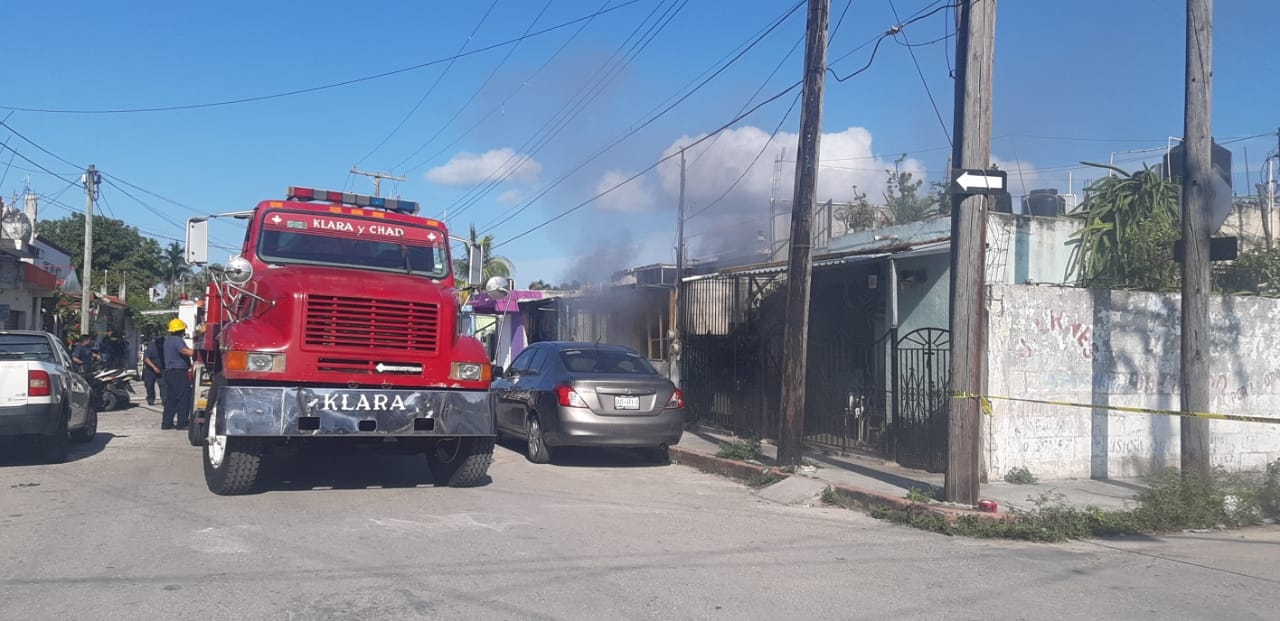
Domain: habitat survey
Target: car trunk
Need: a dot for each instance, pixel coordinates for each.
(623, 395)
(13, 382)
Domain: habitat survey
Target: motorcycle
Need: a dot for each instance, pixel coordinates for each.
(112, 388)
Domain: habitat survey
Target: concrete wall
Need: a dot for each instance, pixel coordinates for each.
(1121, 348)
(1029, 249)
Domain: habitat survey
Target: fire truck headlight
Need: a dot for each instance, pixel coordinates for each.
(469, 371)
(259, 362)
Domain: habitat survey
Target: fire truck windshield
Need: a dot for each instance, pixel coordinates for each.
(366, 243)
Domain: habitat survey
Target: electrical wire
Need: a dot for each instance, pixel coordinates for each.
(754, 160)
(893, 30)
(476, 93)
(920, 72)
(585, 96)
(637, 175)
(439, 78)
(35, 163)
(102, 200)
(332, 85)
(650, 120)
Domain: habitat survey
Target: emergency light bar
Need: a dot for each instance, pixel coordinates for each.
(354, 200)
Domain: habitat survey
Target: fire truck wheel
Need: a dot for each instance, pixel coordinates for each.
(231, 464)
(460, 462)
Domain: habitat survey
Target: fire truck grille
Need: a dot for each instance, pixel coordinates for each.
(337, 321)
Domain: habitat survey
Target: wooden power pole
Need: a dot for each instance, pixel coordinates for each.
(677, 310)
(975, 51)
(91, 180)
(377, 179)
(800, 263)
(1197, 195)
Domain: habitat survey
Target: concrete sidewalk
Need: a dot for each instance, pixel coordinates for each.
(879, 478)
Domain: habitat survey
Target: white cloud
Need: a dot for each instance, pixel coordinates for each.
(1023, 176)
(511, 197)
(632, 197)
(470, 168)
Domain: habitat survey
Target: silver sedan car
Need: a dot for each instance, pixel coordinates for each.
(558, 394)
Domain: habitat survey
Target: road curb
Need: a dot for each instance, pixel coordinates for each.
(847, 496)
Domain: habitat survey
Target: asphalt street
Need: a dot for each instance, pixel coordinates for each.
(127, 530)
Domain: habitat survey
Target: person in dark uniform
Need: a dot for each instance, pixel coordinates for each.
(83, 355)
(153, 368)
(177, 377)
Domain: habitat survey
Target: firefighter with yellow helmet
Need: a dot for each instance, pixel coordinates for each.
(177, 377)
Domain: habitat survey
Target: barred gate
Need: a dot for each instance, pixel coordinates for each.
(921, 427)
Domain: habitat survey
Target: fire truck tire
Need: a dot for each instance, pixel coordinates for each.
(237, 471)
(460, 462)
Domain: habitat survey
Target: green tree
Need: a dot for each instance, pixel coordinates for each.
(902, 195)
(494, 265)
(539, 285)
(119, 250)
(1255, 272)
(859, 214)
(1131, 223)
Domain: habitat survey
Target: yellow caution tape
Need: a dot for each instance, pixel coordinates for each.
(985, 401)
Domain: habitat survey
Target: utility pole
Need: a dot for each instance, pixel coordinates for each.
(1269, 203)
(800, 264)
(975, 63)
(377, 179)
(91, 179)
(673, 368)
(1197, 195)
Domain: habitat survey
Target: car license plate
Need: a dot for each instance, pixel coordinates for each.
(626, 403)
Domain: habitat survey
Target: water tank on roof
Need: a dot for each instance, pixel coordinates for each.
(1044, 202)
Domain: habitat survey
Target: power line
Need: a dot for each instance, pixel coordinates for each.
(650, 120)
(476, 93)
(431, 89)
(332, 85)
(35, 163)
(893, 30)
(920, 72)
(585, 96)
(606, 192)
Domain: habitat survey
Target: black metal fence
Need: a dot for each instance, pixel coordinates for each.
(731, 367)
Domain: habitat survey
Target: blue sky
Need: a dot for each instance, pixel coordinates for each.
(1074, 81)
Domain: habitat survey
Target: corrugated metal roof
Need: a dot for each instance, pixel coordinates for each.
(927, 249)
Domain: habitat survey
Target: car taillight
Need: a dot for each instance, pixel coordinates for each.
(38, 384)
(568, 398)
(676, 402)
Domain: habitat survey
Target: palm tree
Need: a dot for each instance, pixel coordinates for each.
(494, 265)
(175, 264)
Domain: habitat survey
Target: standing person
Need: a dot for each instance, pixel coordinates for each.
(177, 377)
(83, 355)
(115, 347)
(153, 368)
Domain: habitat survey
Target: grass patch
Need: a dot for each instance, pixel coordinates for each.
(1020, 476)
(1173, 503)
(741, 450)
(763, 480)
(919, 496)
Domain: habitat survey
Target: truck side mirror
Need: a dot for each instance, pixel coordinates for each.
(475, 258)
(198, 241)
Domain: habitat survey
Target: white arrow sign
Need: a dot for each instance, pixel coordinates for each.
(397, 368)
(970, 181)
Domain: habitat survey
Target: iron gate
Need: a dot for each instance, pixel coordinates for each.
(920, 414)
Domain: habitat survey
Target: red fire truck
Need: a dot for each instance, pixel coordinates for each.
(336, 323)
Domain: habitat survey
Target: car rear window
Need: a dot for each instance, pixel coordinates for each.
(605, 361)
(21, 347)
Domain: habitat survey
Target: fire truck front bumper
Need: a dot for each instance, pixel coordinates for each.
(308, 412)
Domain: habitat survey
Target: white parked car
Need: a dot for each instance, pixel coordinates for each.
(41, 396)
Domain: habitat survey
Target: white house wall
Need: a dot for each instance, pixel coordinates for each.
(1121, 348)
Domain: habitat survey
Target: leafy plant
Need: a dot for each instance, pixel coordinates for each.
(828, 496)
(918, 495)
(1254, 272)
(902, 195)
(742, 450)
(1020, 476)
(1131, 223)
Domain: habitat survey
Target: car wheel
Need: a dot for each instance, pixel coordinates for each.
(538, 452)
(54, 447)
(460, 462)
(85, 434)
